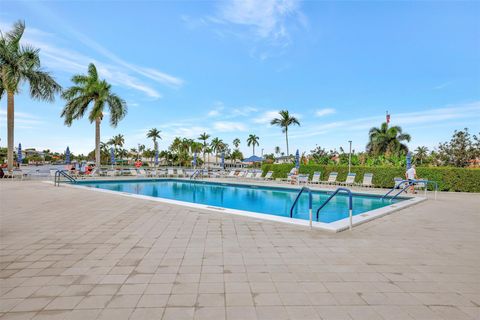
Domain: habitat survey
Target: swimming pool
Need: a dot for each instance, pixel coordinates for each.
(275, 201)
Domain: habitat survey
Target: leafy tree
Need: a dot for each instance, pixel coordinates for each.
(18, 64)
(387, 140)
(90, 90)
(460, 151)
(284, 121)
(253, 141)
(217, 145)
(154, 134)
(236, 155)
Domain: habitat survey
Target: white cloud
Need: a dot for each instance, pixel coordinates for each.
(324, 112)
(266, 117)
(426, 117)
(228, 126)
(267, 18)
(117, 71)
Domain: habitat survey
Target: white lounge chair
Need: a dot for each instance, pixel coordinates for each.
(170, 172)
(133, 172)
(350, 180)
(180, 173)
(258, 175)
(18, 174)
(231, 174)
(367, 180)
(249, 175)
(111, 173)
(316, 177)
(302, 178)
(268, 176)
(142, 172)
(332, 178)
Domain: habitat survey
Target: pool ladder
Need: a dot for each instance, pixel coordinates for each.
(350, 203)
(59, 174)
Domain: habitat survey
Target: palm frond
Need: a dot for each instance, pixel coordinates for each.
(42, 85)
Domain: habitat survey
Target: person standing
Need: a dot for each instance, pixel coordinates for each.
(411, 176)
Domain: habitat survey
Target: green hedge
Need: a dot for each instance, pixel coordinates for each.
(448, 178)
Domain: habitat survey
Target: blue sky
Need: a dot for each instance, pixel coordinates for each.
(227, 67)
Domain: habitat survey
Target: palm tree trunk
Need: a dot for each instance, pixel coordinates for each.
(254, 149)
(286, 139)
(97, 142)
(10, 117)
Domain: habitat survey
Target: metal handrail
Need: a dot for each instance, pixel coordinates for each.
(409, 184)
(194, 174)
(350, 203)
(59, 173)
(394, 187)
(309, 203)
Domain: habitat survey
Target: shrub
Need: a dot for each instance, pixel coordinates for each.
(448, 178)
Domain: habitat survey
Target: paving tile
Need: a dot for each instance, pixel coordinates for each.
(64, 303)
(153, 301)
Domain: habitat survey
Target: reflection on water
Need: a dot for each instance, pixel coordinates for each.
(263, 200)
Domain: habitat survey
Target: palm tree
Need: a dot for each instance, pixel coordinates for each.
(277, 150)
(154, 134)
(387, 140)
(253, 141)
(18, 64)
(421, 153)
(217, 146)
(117, 141)
(284, 122)
(204, 137)
(236, 142)
(89, 89)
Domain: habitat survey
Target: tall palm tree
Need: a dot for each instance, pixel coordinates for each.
(154, 134)
(284, 122)
(18, 64)
(253, 141)
(204, 137)
(387, 140)
(421, 153)
(217, 146)
(89, 89)
(236, 142)
(277, 150)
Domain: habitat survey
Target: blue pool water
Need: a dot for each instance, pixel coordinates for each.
(260, 199)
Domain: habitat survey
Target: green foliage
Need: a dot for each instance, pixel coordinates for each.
(448, 179)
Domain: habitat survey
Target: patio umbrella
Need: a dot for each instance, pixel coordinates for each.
(67, 156)
(156, 157)
(409, 160)
(195, 159)
(112, 156)
(297, 159)
(223, 160)
(253, 158)
(19, 154)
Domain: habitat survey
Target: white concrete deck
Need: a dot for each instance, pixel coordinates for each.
(68, 253)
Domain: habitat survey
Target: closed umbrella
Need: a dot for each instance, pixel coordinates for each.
(195, 159)
(223, 160)
(112, 156)
(19, 154)
(156, 157)
(297, 160)
(409, 160)
(67, 156)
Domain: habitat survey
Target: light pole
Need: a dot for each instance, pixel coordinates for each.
(262, 152)
(350, 156)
